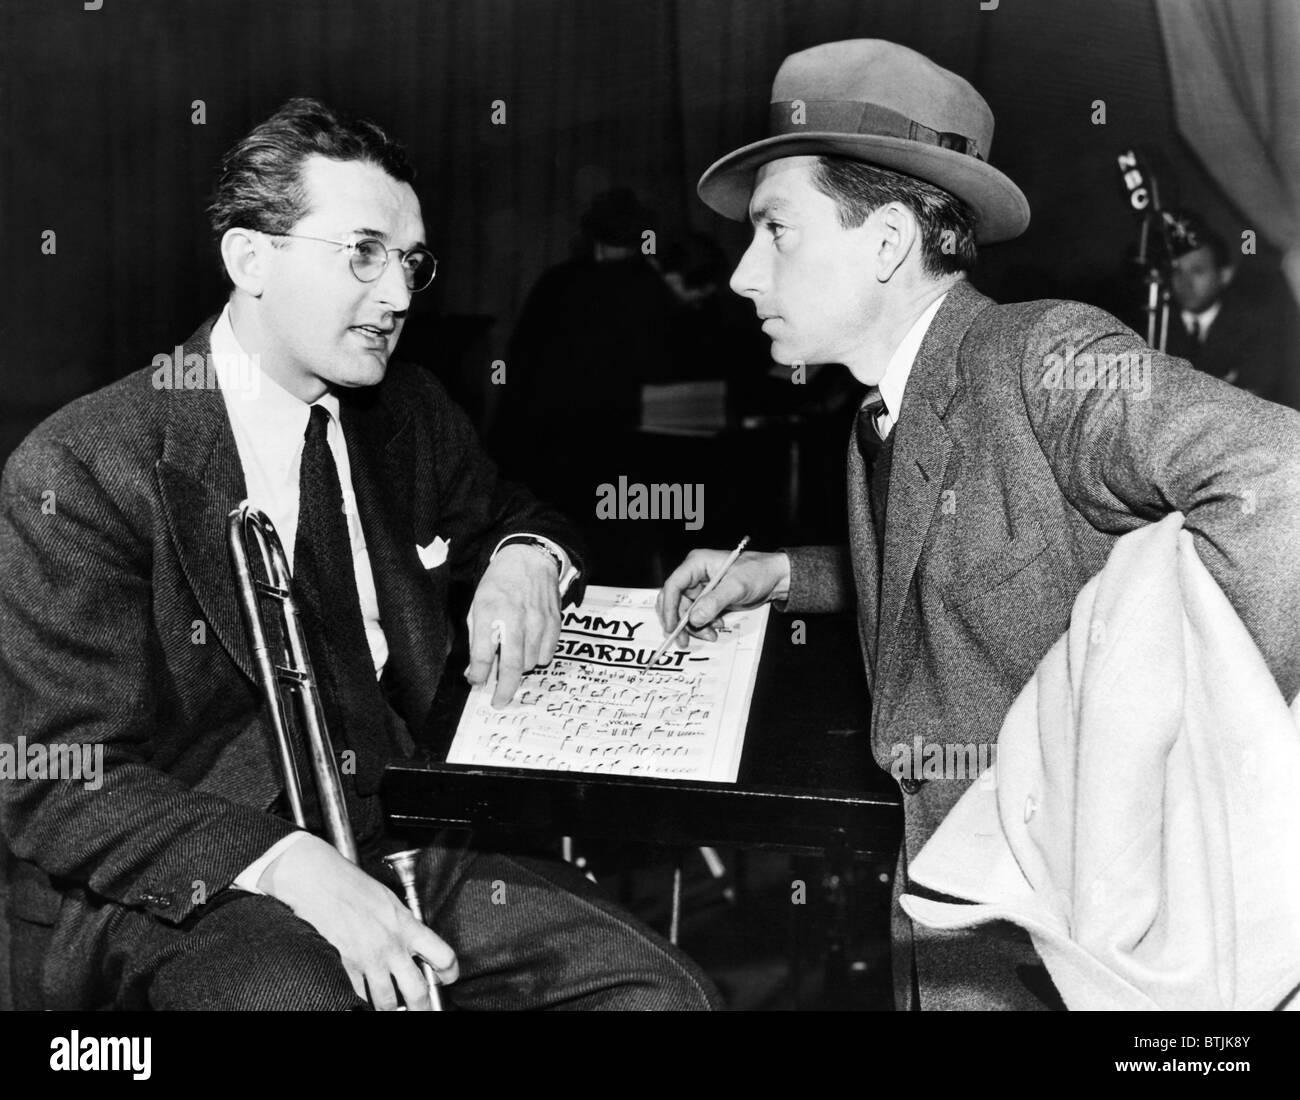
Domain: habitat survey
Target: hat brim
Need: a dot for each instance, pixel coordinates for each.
(1001, 209)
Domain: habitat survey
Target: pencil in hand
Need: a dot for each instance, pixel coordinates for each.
(713, 582)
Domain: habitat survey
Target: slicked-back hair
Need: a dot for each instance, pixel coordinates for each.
(947, 224)
(260, 185)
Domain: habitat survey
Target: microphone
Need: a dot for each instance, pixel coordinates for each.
(1143, 196)
(1182, 233)
(1177, 231)
(1154, 256)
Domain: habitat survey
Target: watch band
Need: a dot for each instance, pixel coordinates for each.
(529, 540)
(565, 574)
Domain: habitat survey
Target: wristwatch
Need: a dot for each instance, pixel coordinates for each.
(565, 572)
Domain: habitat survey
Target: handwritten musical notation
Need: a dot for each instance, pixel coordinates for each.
(598, 708)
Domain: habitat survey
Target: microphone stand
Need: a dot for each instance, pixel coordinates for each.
(1156, 267)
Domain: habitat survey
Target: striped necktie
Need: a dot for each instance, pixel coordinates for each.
(869, 441)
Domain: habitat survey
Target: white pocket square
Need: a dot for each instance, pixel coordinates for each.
(434, 554)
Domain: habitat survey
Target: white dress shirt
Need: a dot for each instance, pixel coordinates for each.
(270, 424)
(1198, 324)
(269, 433)
(899, 368)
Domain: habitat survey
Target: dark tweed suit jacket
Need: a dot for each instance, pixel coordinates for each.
(119, 626)
(1005, 496)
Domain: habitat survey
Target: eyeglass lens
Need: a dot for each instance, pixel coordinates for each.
(369, 258)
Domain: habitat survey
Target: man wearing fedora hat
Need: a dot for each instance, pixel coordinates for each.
(999, 453)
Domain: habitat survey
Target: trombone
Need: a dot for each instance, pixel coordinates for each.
(291, 676)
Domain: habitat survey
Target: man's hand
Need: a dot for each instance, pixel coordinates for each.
(753, 580)
(372, 929)
(520, 591)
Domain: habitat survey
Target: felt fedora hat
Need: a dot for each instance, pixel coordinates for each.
(889, 106)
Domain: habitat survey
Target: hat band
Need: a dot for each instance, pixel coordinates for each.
(847, 116)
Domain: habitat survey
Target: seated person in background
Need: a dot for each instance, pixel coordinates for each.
(694, 267)
(1246, 333)
(715, 335)
(172, 883)
(593, 331)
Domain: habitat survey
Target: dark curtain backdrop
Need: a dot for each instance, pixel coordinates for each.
(98, 143)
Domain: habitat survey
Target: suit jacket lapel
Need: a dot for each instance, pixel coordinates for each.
(921, 454)
(862, 533)
(380, 441)
(200, 481)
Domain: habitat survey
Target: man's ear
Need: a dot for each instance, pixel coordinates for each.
(1227, 273)
(899, 235)
(245, 254)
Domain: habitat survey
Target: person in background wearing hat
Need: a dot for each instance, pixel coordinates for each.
(989, 473)
(1246, 335)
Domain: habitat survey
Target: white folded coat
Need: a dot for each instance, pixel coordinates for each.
(1144, 819)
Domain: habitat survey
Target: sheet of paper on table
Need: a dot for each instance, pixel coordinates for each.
(599, 708)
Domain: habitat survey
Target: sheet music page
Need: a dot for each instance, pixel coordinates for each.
(599, 708)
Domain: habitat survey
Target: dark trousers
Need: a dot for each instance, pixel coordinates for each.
(528, 932)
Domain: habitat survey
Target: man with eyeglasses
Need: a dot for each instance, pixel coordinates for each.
(174, 881)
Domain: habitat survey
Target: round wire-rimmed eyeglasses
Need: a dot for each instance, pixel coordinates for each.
(368, 258)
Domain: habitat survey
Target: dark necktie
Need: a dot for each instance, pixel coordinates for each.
(877, 457)
(326, 588)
